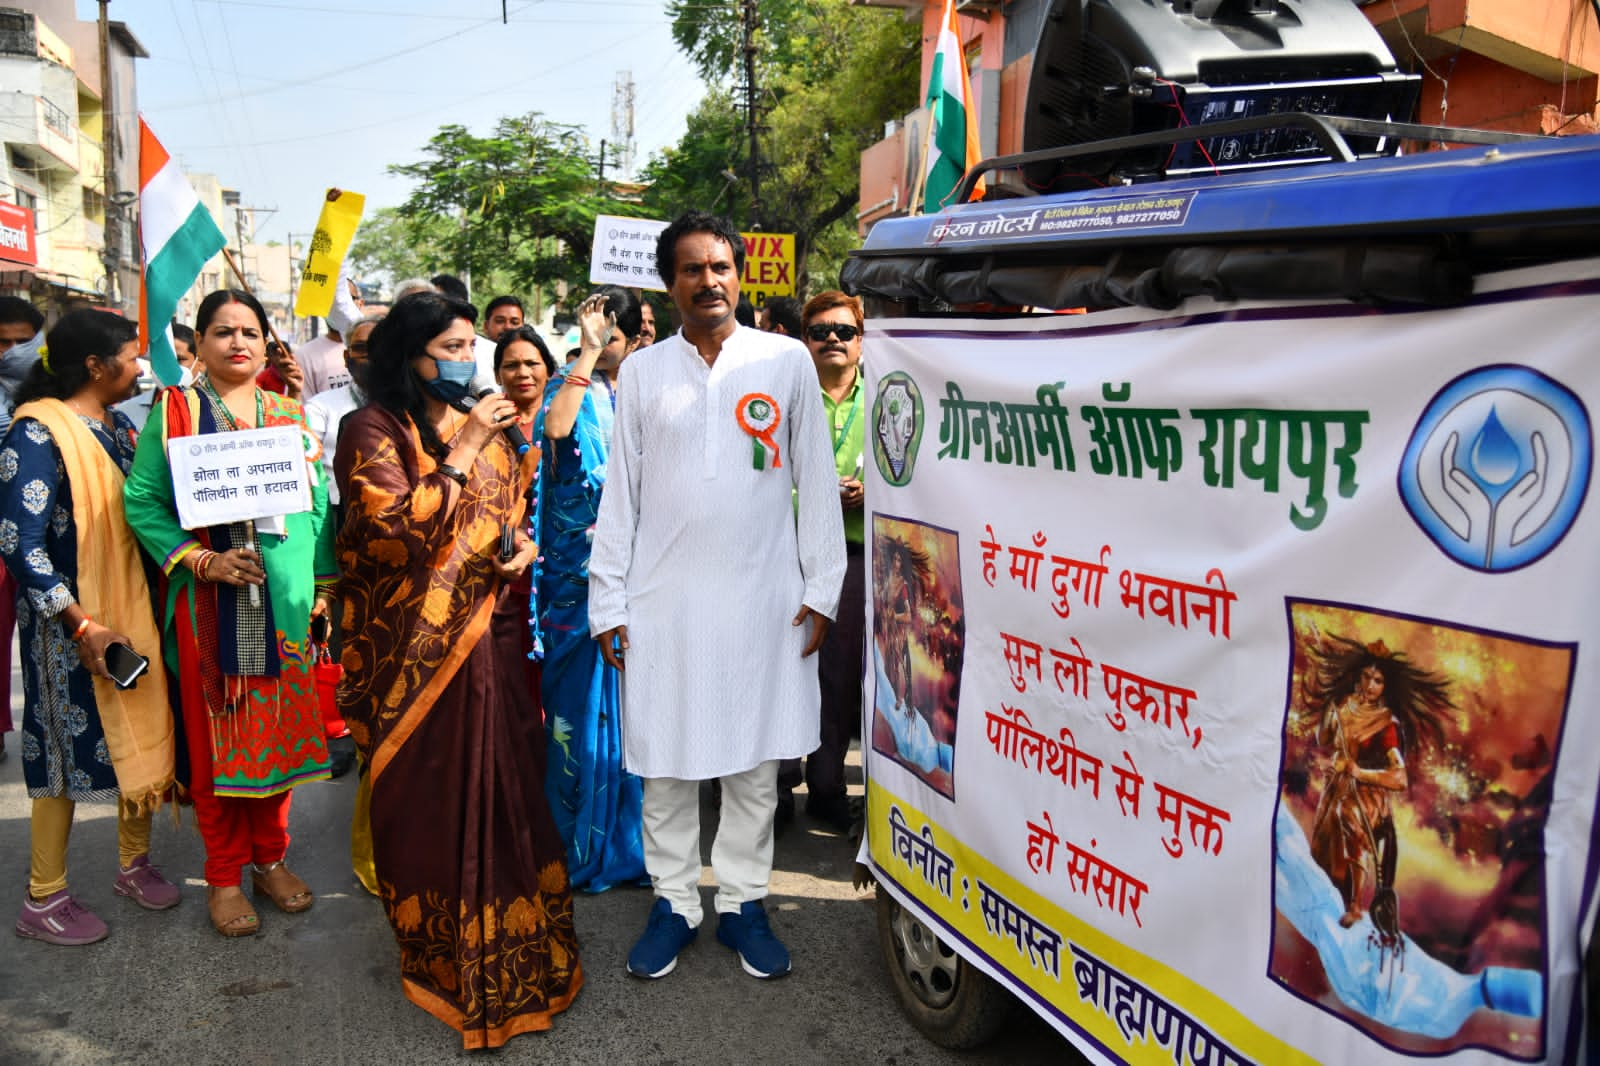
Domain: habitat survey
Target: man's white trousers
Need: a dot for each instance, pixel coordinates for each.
(741, 855)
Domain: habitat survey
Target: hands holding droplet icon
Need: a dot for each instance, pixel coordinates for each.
(1491, 514)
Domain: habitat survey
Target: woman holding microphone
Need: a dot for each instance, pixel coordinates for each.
(468, 861)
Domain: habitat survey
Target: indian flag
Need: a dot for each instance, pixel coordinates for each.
(953, 125)
(177, 236)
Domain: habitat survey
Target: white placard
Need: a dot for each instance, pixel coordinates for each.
(624, 252)
(231, 477)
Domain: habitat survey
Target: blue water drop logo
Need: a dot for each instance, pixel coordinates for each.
(1496, 459)
(1498, 466)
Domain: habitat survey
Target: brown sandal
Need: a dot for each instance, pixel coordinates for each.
(287, 892)
(231, 915)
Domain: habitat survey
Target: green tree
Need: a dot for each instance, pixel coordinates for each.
(711, 33)
(392, 247)
(832, 73)
(520, 202)
(703, 170)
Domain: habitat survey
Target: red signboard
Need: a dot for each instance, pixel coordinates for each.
(17, 239)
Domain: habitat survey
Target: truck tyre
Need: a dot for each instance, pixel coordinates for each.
(952, 1003)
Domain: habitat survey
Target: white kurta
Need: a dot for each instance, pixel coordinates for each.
(706, 561)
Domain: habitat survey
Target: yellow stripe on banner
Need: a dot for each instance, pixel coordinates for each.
(1137, 1009)
(336, 228)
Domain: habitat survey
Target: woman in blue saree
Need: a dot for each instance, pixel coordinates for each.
(595, 803)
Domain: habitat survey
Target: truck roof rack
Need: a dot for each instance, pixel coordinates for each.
(1330, 131)
(1410, 229)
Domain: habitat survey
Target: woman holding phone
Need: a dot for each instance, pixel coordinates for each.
(240, 600)
(468, 860)
(82, 600)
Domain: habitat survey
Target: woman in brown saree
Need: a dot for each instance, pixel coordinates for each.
(469, 862)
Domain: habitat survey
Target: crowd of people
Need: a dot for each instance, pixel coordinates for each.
(559, 602)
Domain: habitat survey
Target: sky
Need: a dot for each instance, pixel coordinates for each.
(282, 99)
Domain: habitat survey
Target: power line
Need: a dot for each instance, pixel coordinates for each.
(348, 67)
(249, 119)
(443, 106)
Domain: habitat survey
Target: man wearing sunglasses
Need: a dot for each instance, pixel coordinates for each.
(832, 325)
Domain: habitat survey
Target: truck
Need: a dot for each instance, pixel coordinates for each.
(1230, 675)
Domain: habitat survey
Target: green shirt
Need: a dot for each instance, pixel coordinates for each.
(845, 422)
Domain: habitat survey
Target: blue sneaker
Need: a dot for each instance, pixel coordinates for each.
(760, 953)
(656, 952)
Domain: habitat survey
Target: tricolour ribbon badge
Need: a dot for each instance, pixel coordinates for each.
(759, 416)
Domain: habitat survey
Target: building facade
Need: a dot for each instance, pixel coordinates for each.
(66, 235)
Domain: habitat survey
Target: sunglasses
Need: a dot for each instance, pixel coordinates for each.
(359, 347)
(822, 330)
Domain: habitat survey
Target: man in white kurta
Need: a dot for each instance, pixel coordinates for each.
(717, 561)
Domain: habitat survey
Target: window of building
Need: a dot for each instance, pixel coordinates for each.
(56, 118)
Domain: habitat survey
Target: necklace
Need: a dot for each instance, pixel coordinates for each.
(452, 425)
(101, 417)
(227, 414)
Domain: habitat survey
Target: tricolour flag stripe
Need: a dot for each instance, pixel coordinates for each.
(952, 122)
(177, 237)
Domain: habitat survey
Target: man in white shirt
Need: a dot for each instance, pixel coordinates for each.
(720, 518)
(321, 360)
(326, 410)
(504, 313)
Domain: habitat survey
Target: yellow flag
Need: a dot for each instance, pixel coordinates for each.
(336, 227)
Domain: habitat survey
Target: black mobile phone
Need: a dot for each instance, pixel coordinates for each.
(321, 629)
(125, 665)
(508, 542)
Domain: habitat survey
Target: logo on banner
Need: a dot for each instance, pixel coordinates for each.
(1497, 468)
(896, 428)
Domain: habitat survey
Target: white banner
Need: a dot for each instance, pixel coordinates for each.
(1222, 668)
(624, 252)
(230, 477)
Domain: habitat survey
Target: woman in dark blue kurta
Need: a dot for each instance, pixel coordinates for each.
(63, 744)
(80, 741)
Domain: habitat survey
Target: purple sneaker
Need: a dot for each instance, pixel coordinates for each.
(59, 920)
(144, 884)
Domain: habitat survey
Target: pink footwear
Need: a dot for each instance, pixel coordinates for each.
(144, 884)
(59, 920)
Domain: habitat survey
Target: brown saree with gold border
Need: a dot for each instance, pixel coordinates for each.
(468, 859)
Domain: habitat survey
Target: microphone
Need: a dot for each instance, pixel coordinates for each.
(518, 442)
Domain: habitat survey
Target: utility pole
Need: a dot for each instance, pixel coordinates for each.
(751, 109)
(112, 230)
(602, 161)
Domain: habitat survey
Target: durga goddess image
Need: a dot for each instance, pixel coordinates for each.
(1377, 709)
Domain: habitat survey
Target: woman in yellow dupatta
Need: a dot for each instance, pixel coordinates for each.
(435, 689)
(81, 588)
